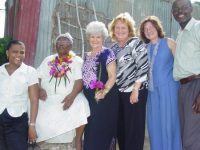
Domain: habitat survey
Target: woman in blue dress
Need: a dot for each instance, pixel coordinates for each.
(99, 76)
(162, 103)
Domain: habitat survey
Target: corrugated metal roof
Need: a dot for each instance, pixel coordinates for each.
(25, 26)
(25, 16)
(44, 39)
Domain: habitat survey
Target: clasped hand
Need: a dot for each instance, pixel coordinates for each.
(100, 95)
(42, 94)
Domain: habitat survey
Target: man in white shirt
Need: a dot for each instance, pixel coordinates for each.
(19, 83)
(187, 71)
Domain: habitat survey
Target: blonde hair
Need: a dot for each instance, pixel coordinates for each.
(125, 18)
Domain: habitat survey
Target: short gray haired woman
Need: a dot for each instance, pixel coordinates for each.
(96, 27)
(99, 75)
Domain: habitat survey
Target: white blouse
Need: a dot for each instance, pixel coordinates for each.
(14, 89)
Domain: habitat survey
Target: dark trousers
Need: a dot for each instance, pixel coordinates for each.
(190, 121)
(131, 121)
(13, 132)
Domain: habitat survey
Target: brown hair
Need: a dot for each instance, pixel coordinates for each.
(125, 18)
(156, 23)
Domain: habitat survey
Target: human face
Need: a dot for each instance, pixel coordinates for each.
(96, 41)
(63, 46)
(121, 31)
(150, 32)
(16, 55)
(181, 10)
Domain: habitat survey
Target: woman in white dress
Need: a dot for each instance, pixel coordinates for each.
(62, 106)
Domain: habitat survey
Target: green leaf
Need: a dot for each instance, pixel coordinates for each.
(3, 44)
(59, 81)
(65, 81)
(56, 84)
(51, 78)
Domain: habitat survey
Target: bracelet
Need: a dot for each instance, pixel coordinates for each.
(106, 90)
(31, 124)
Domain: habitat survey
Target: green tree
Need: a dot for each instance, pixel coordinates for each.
(3, 44)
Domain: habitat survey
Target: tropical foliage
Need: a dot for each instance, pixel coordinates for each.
(3, 44)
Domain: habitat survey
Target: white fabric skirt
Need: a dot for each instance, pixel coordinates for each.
(53, 121)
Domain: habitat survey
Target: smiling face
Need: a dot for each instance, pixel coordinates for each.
(121, 31)
(150, 32)
(63, 46)
(181, 10)
(16, 54)
(96, 41)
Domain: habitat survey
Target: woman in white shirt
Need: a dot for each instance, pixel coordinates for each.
(19, 83)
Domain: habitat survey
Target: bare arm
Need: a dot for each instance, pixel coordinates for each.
(135, 93)
(69, 99)
(111, 69)
(33, 91)
(42, 92)
(172, 45)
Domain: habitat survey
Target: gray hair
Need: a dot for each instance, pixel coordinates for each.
(96, 27)
(66, 35)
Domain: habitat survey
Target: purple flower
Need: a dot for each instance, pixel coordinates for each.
(92, 84)
(96, 84)
(52, 71)
(99, 85)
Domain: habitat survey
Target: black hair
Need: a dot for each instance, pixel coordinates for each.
(14, 42)
(189, 2)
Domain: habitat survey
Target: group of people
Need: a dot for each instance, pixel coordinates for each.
(104, 95)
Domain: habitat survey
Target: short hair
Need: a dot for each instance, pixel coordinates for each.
(14, 42)
(66, 35)
(189, 2)
(96, 27)
(156, 23)
(125, 18)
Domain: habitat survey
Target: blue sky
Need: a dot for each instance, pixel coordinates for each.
(2, 15)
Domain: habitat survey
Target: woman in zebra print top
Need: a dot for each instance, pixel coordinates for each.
(132, 68)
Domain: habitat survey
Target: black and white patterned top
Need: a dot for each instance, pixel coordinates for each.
(132, 63)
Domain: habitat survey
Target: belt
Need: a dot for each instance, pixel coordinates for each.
(190, 78)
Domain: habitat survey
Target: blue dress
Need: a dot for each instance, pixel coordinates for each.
(162, 103)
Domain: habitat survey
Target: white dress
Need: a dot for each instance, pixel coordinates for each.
(53, 124)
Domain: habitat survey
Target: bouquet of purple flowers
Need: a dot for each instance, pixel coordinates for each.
(97, 84)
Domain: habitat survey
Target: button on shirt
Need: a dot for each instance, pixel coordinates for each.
(14, 89)
(187, 57)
